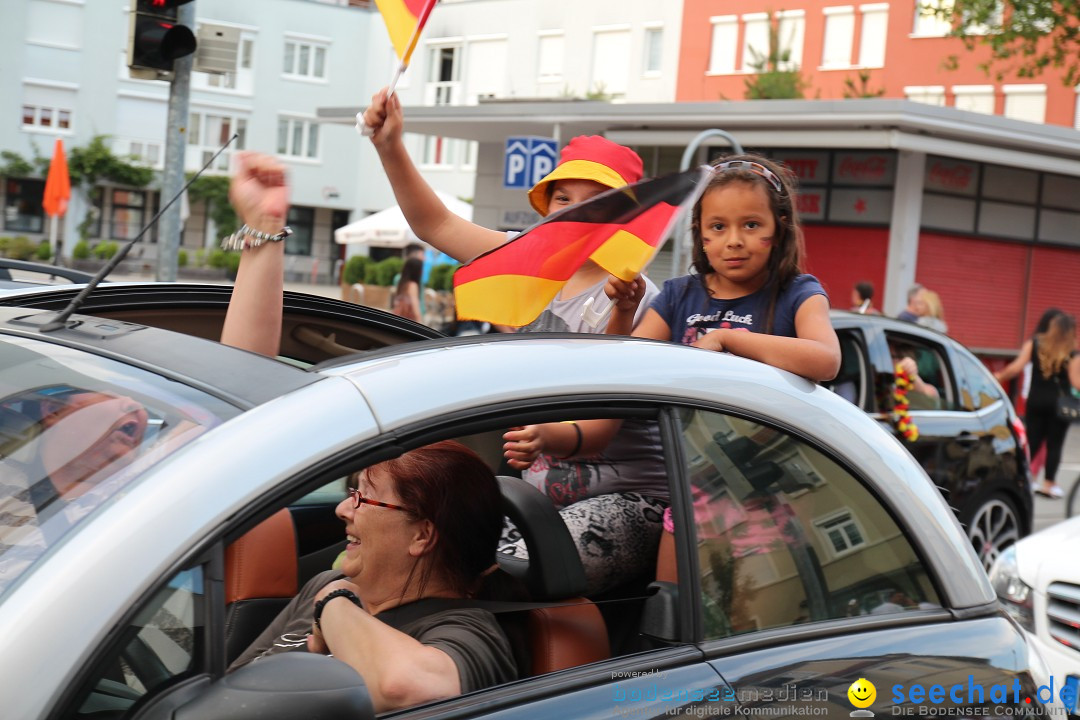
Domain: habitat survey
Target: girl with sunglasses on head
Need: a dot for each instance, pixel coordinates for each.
(747, 294)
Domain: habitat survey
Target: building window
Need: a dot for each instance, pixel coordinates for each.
(928, 95)
(305, 60)
(487, 70)
(46, 117)
(975, 98)
(129, 212)
(933, 18)
(438, 150)
(550, 58)
(208, 132)
(301, 221)
(875, 26)
(839, 36)
(654, 50)
(842, 533)
(298, 137)
(22, 205)
(1025, 102)
(444, 74)
(725, 41)
(791, 27)
(147, 153)
(609, 69)
(755, 49)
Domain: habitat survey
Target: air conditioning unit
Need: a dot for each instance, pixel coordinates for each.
(218, 46)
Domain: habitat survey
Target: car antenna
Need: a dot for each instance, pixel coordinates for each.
(62, 317)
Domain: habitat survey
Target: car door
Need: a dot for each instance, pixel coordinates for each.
(807, 582)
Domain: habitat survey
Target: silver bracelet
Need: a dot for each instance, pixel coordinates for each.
(247, 237)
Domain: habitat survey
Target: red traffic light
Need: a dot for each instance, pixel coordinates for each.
(156, 38)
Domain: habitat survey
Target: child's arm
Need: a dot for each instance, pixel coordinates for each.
(580, 438)
(626, 297)
(814, 353)
(424, 211)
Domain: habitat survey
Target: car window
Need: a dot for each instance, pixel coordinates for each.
(786, 535)
(163, 643)
(978, 389)
(932, 367)
(851, 381)
(75, 430)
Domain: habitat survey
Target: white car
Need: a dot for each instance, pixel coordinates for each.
(1038, 582)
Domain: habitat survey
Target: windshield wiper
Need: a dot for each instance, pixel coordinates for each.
(61, 318)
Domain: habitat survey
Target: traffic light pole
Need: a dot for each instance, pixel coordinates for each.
(175, 151)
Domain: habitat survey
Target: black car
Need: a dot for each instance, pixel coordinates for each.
(970, 441)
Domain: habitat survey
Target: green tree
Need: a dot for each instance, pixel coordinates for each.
(96, 162)
(214, 189)
(1027, 37)
(862, 88)
(775, 77)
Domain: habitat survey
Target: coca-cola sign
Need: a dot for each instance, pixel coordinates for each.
(865, 168)
(951, 176)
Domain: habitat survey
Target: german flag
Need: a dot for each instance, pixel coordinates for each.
(620, 230)
(404, 20)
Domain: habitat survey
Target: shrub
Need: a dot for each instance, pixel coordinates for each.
(5, 243)
(442, 276)
(216, 258)
(105, 250)
(232, 263)
(81, 251)
(20, 248)
(386, 270)
(181, 258)
(200, 257)
(356, 269)
(44, 251)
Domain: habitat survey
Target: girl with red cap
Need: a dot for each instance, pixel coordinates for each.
(611, 487)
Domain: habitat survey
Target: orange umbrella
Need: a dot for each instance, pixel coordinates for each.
(58, 184)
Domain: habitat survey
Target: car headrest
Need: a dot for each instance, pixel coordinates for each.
(553, 570)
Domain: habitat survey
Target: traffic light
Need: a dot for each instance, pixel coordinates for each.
(156, 39)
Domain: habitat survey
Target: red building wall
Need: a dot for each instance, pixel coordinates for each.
(909, 61)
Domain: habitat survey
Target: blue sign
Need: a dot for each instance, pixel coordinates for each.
(528, 160)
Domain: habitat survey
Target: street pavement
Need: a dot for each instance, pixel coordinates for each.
(1047, 511)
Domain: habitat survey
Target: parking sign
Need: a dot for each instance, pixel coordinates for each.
(528, 160)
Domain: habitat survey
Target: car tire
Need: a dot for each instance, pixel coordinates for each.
(992, 525)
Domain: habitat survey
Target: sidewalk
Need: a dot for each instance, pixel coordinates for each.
(1047, 511)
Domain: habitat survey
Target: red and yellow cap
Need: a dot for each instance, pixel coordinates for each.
(590, 157)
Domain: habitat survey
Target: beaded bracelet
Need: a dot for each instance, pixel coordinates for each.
(247, 237)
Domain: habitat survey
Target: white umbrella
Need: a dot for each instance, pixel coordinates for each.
(388, 228)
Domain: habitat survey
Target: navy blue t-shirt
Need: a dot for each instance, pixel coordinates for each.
(687, 308)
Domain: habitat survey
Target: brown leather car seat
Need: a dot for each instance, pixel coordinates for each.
(261, 577)
(564, 636)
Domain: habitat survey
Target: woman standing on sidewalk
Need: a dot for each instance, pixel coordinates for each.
(1055, 369)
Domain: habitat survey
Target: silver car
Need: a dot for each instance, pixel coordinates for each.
(811, 550)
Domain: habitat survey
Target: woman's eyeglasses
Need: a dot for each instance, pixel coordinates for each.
(756, 168)
(359, 499)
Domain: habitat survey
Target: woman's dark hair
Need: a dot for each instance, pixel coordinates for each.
(1056, 344)
(788, 250)
(411, 271)
(449, 485)
(865, 290)
(1044, 322)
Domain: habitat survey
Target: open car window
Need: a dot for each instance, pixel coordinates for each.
(75, 430)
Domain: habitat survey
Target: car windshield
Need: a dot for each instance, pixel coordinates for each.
(75, 430)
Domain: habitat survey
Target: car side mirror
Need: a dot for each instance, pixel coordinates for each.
(289, 685)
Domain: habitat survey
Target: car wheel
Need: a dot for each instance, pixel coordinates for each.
(992, 527)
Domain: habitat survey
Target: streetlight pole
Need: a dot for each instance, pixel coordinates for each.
(175, 150)
(683, 232)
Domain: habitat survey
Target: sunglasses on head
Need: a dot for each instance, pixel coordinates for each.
(756, 168)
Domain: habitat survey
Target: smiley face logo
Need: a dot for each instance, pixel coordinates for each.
(862, 693)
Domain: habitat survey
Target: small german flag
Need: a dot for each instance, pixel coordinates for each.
(404, 20)
(620, 230)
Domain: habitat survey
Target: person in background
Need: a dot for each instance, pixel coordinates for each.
(408, 298)
(915, 307)
(1055, 369)
(933, 312)
(862, 299)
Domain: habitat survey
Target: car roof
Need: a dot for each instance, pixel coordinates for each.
(241, 378)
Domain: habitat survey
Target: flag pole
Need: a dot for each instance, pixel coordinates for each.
(362, 127)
